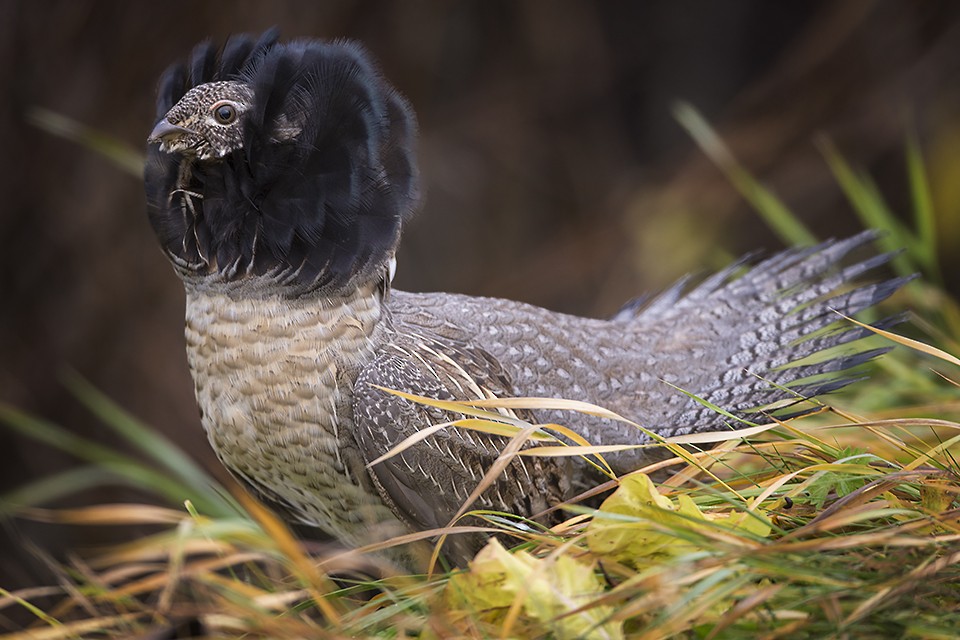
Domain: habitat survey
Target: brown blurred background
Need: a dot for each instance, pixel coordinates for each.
(553, 168)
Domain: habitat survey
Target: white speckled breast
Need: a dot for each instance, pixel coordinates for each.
(273, 379)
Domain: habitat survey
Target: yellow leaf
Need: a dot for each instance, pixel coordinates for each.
(549, 590)
(623, 539)
(649, 520)
(487, 585)
(935, 495)
(688, 506)
(750, 522)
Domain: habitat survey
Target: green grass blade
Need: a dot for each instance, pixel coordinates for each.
(923, 214)
(776, 214)
(131, 469)
(114, 150)
(870, 207)
(56, 436)
(153, 445)
(35, 610)
(54, 487)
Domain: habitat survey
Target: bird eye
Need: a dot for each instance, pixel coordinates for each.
(224, 112)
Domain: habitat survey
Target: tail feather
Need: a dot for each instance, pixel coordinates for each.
(845, 334)
(759, 332)
(800, 330)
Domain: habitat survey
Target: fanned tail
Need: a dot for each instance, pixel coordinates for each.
(777, 328)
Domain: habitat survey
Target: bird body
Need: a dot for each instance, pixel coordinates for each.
(278, 181)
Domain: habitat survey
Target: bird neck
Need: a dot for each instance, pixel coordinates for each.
(274, 380)
(229, 326)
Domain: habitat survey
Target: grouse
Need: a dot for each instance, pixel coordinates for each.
(278, 180)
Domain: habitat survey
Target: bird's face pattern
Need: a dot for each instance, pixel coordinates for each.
(207, 122)
(280, 168)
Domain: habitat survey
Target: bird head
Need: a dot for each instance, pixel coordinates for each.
(280, 168)
(207, 121)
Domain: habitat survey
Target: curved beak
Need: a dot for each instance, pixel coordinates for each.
(165, 131)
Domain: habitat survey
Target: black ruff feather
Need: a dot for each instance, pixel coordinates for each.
(322, 210)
